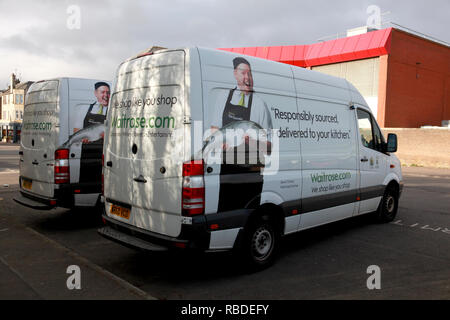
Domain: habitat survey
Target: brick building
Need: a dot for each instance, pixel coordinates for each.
(404, 78)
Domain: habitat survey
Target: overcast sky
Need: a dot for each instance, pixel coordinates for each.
(36, 43)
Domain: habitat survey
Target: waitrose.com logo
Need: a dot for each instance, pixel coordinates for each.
(323, 177)
(143, 122)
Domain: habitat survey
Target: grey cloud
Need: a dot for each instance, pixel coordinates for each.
(113, 30)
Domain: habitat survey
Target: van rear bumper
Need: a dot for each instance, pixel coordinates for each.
(194, 236)
(64, 195)
(197, 235)
(38, 203)
(128, 240)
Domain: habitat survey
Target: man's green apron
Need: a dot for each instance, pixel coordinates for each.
(240, 184)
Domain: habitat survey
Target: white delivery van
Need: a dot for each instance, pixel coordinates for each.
(62, 143)
(212, 150)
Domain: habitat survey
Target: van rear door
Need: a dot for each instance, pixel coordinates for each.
(145, 143)
(40, 132)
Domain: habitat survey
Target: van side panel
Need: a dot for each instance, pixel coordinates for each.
(329, 151)
(274, 92)
(81, 96)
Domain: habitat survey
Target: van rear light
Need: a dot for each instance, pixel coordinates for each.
(193, 192)
(193, 168)
(62, 154)
(62, 172)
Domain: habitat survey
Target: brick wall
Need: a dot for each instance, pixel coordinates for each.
(418, 83)
(422, 147)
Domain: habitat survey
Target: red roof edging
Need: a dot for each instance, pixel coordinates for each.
(367, 45)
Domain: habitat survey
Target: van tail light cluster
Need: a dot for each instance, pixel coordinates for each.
(62, 172)
(193, 194)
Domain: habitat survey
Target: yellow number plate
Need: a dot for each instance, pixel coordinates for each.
(26, 184)
(120, 211)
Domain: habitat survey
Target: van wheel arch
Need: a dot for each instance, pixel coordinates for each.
(272, 212)
(394, 186)
(267, 220)
(388, 207)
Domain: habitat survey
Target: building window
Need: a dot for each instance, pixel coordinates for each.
(17, 114)
(21, 115)
(19, 98)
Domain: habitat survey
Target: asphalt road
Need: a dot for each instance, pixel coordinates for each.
(9, 163)
(330, 262)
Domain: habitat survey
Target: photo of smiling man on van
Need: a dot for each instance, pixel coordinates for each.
(93, 129)
(97, 110)
(241, 109)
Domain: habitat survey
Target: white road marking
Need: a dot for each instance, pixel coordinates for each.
(422, 226)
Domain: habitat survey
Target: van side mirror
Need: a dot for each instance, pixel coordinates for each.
(391, 145)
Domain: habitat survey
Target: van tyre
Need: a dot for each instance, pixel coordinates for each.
(387, 210)
(260, 243)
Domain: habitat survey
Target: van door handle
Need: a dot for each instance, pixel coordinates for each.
(364, 159)
(109, 163)
(35, 162)
(140, 179)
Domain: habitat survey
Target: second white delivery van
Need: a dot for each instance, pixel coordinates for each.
(62, 143)
(218, 151)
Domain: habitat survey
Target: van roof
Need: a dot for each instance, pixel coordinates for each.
(69, 78)
(298, 72)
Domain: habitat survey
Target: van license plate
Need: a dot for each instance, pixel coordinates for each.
(27, 184)
(120, 211)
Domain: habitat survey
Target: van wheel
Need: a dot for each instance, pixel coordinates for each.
(387, 210)
(260, 243)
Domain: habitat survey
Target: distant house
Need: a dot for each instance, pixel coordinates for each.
(12, 101)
